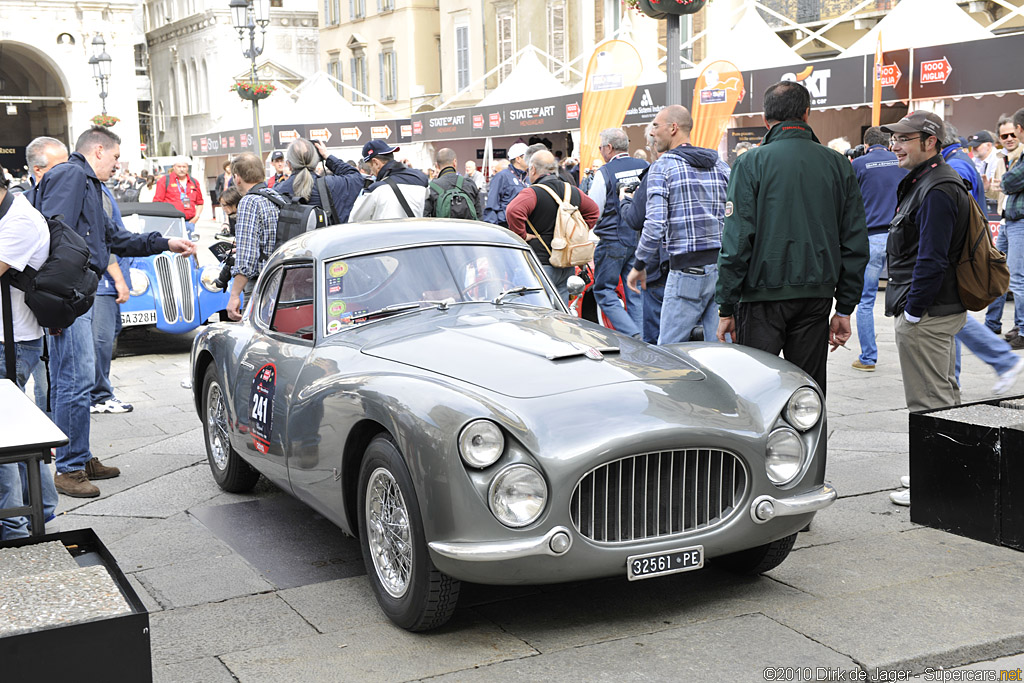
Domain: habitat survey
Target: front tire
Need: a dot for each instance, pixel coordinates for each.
(409, 589)
(229, 470)
(758, 560)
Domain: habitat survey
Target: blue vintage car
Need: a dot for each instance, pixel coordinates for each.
(168, 290)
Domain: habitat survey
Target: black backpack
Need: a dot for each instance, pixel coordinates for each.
(453, 202)
(63, 288)
(294, 217)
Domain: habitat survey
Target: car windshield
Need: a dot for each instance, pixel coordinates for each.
(168, 227)
(366, 284)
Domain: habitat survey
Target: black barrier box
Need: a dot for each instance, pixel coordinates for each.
(968, 479)
(107, 649)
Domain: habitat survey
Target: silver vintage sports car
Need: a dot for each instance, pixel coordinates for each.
(420, 384)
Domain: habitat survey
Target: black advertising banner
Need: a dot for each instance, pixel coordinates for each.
(351, 134)
(548, 115)
(979, 66)
(734, 136)
(229, 142)
(896, 75)
(831, 82)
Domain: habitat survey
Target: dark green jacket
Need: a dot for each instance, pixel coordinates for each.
(794, 224)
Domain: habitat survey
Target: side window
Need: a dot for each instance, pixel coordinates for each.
(268, 297)
(293, 310)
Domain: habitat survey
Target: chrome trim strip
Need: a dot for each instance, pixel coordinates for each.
(188, 300)
(812, 501)
(165, 282)
(489, 551)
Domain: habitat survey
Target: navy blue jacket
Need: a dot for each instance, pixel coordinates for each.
(505, 185)
(955, 156)
(344, 186)
(72, 190)
(632, 213)
(879, 174)
(622, 168)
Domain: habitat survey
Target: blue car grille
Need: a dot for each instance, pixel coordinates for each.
(657, 494)
(175, 284)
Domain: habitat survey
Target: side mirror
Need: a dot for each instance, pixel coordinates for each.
(575, 284)
(193, 236)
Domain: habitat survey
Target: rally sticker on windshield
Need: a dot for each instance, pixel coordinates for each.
(261, 407)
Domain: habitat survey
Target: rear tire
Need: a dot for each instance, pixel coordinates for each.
(758, 560)
(229, 470)
(409, 588)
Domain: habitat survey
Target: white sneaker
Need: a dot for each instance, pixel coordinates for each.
(905, 481)
(1008, 378)
(901, 497)
(112, 405)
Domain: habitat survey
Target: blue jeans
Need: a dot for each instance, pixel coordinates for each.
(1015, 260)
(612, 261)
(653, 297)
(560, 278)
(994, 314)
(986, 345)
(14, 478)
(689, 301)
(105, 316)
(72, 375)
(866, 307)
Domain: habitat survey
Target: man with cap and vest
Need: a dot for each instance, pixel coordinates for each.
(925, 241)
(506, 184)
(613, 257)
(281, 170)
(181, 190)
(398, 192)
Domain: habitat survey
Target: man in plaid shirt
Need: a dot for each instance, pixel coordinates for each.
(686, 189)
(255, 229)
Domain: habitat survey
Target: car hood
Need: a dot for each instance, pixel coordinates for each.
(520, 351)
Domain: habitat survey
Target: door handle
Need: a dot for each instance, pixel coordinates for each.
(247, 364)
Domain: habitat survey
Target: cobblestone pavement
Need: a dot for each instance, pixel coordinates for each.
(259, 588)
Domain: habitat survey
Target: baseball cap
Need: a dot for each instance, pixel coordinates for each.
(277, 156)
(517, 150)
(917, 122)
(376, 147)
(979, 138)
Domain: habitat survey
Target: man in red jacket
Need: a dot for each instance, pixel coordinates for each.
(181, 190)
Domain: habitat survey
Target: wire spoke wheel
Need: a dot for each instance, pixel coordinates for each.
(387, 523)
(217, 419)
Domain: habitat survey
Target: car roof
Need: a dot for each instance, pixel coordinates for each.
(338, 240)
(160, 209)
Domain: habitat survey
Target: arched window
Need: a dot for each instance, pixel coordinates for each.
(193, 101)
(161, 121)
(204, 88)
(186, 93)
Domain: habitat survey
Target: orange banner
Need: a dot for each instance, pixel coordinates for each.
(611, 81)
(718, 90)
(876, 89)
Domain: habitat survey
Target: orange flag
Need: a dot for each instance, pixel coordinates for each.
(611, 81)
(719, 89)
(876, 89)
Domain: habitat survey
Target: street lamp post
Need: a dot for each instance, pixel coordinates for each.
(100, 62)
(247, 15)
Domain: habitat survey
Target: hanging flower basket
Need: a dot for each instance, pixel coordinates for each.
(104, 120)
(659, 9)
(253, 91)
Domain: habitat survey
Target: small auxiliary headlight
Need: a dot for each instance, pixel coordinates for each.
(140, 281)
(481, 443)
(804, 408)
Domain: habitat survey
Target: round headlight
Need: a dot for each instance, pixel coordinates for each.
(140, 281)
(481, 443)
(803, 409)
(208, 276)
(784, 456)
(518, 495)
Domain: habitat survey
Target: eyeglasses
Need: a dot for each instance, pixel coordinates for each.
(1007, 136)
(900, 140)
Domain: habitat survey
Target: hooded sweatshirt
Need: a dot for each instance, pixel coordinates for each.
(686, 191)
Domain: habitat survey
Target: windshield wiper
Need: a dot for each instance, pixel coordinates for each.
(516, 291)
(399, 308)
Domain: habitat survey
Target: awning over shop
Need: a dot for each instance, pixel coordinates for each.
(333, 134)
(920, 23)
(528, 75)
(752, 44)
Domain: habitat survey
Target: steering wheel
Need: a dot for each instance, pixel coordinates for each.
(505, 284)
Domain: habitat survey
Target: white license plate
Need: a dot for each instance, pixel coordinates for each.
(658, 564)
(138, 318)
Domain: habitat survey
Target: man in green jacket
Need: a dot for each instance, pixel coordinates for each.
(795, 237)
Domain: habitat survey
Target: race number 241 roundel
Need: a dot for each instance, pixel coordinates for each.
(261, 407)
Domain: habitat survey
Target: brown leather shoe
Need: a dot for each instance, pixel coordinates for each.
(75, 484)
(94, 469)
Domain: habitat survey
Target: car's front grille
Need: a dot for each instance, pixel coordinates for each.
(165, 282)
(657, 494)
(175, 283)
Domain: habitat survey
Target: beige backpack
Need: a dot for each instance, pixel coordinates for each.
(571, 244)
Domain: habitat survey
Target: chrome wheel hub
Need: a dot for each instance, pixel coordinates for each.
(217, 421)
(388, 533)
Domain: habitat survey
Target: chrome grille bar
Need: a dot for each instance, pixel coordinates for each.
(165, 281)
(188, 301)
(677, 492)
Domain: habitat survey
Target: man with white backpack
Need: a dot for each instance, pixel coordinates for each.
(533, 213)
